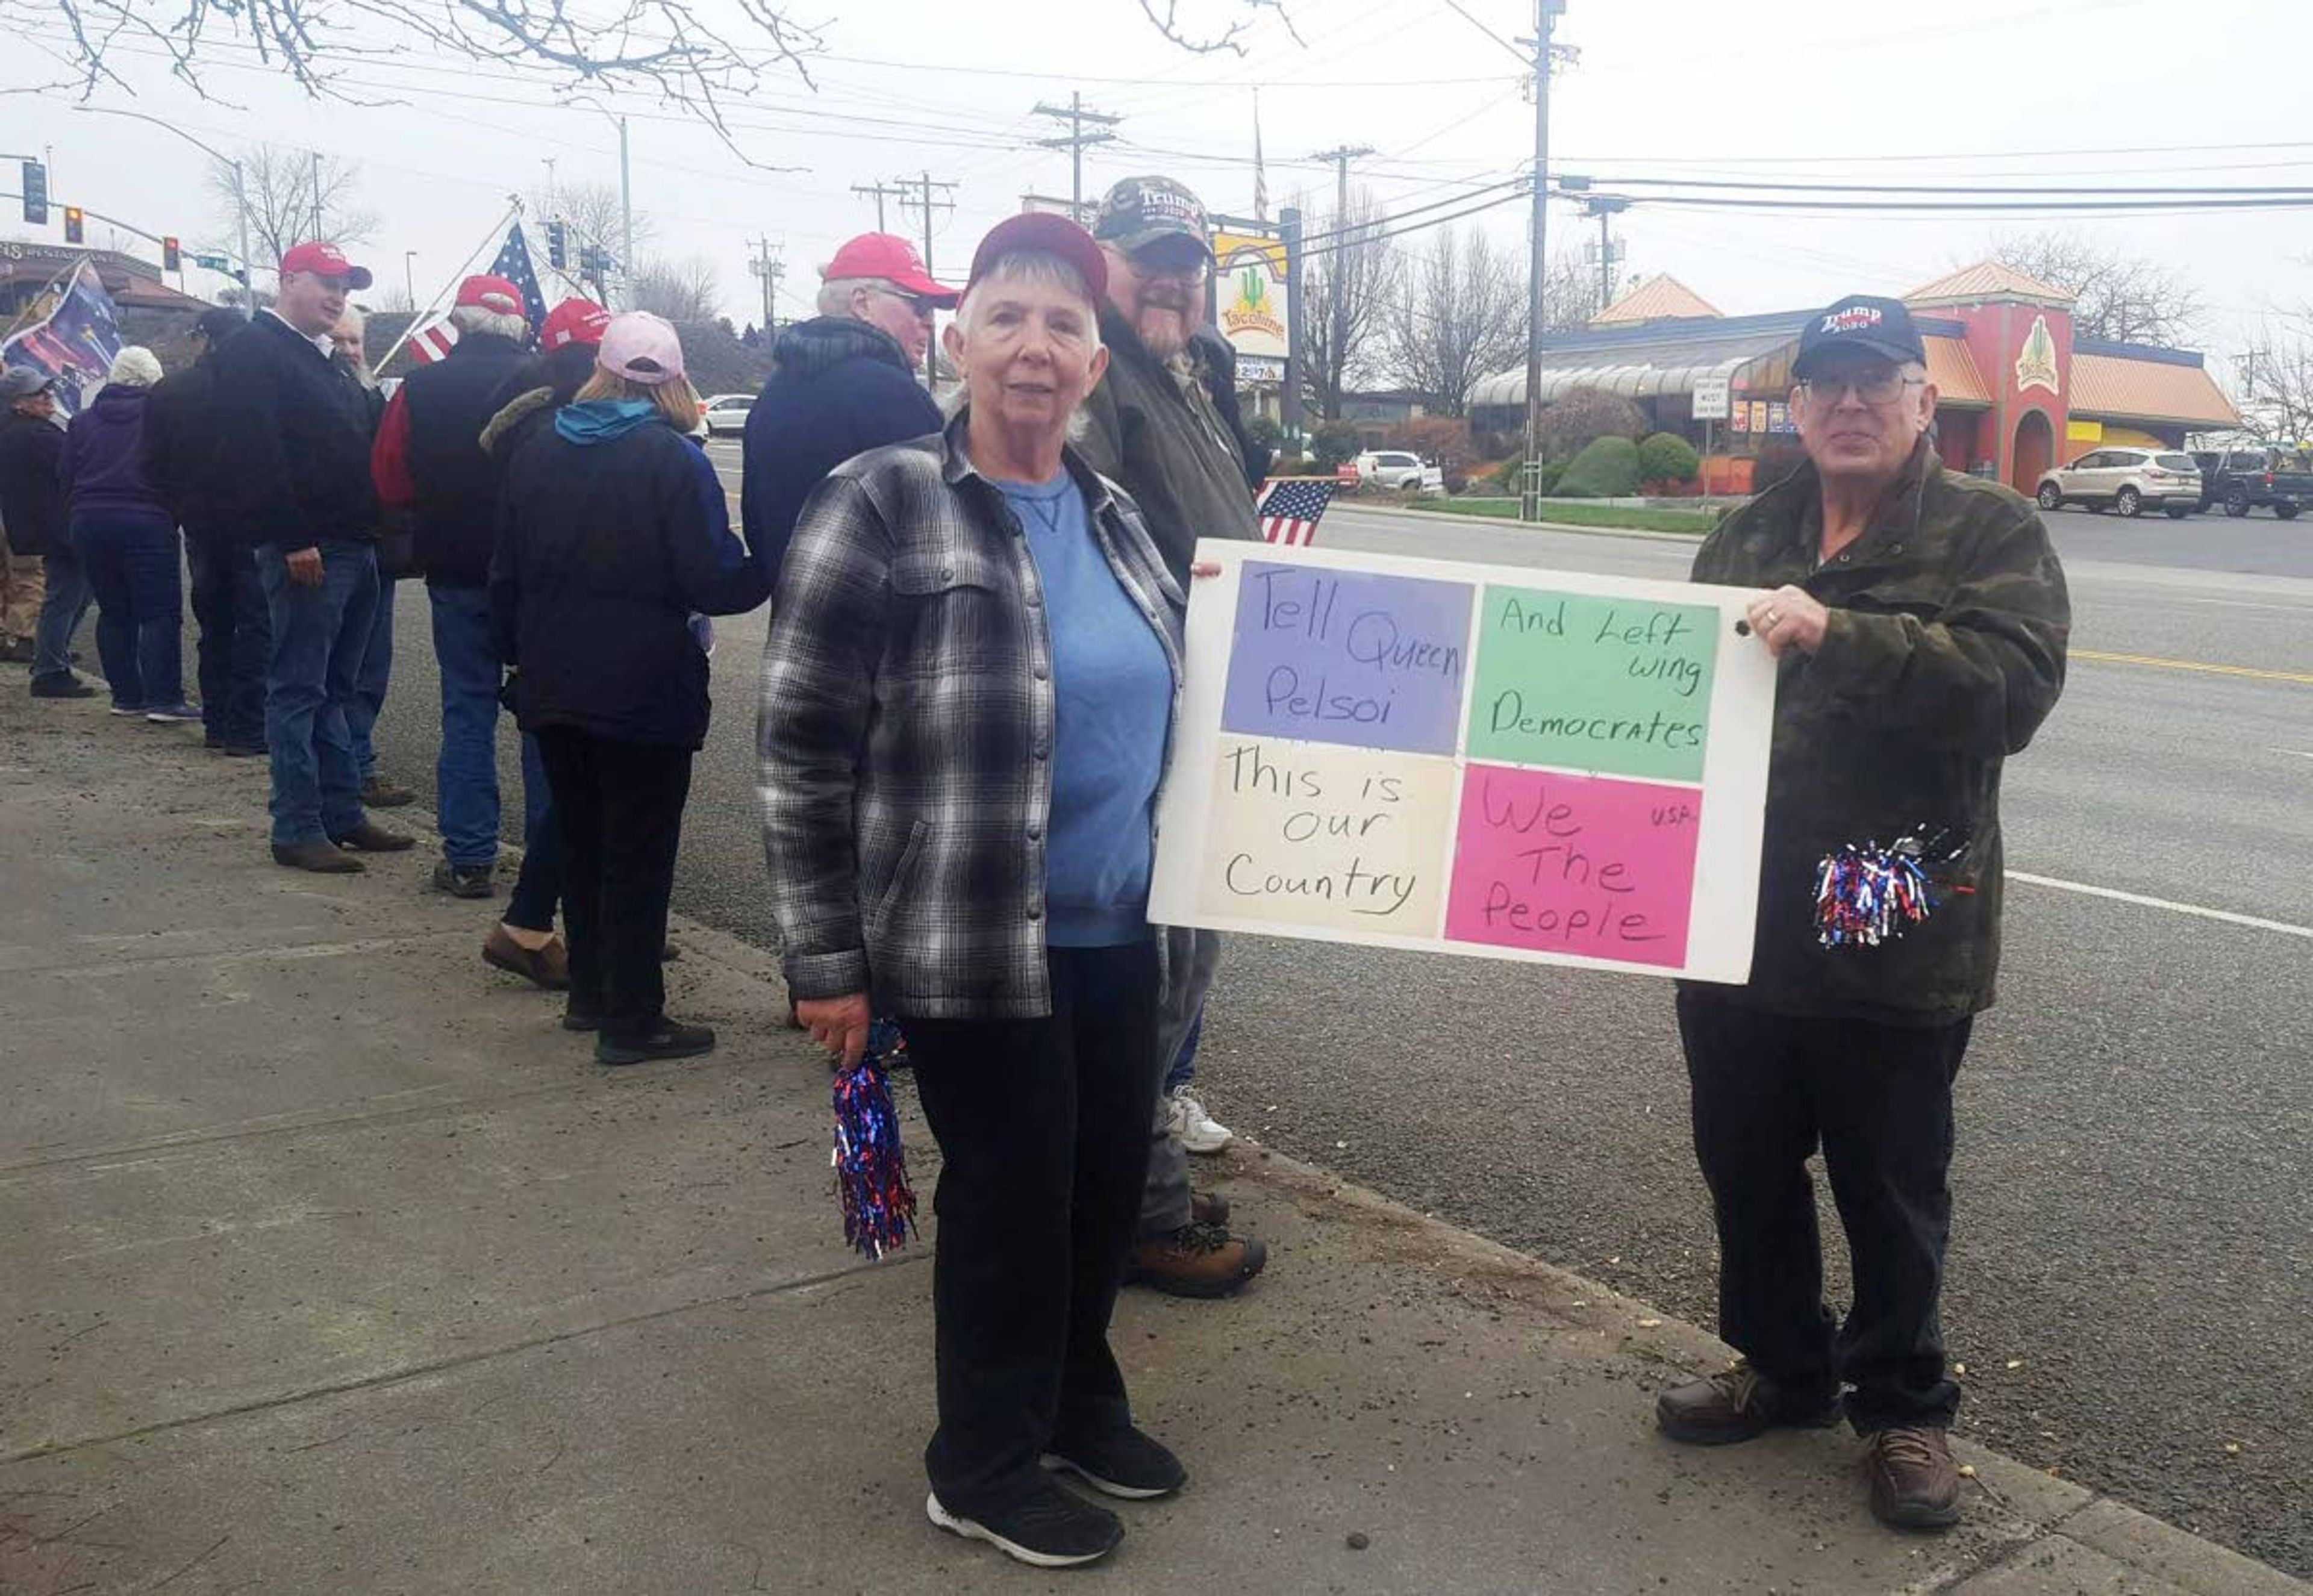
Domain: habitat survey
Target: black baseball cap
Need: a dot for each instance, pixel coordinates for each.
(1138, 212)
(1860, 321)
(220, 324)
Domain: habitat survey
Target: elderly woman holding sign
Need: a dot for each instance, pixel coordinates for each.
(969, 690)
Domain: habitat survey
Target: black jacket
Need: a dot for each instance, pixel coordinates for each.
(185, 453)
(31, 499)
(449, 403)
(605, 548)
(1215, 359)
(297, 436)
(840, 388)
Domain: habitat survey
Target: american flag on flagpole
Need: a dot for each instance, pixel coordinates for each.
(431, 342)
(1290, 507)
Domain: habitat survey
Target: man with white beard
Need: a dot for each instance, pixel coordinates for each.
(1151, 427)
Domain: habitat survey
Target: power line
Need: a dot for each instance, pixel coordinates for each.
(1075, 115)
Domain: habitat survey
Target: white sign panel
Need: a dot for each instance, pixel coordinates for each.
(1713, 398)
(1477, 759)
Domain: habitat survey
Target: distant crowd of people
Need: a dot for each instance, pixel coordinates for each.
(970, 685)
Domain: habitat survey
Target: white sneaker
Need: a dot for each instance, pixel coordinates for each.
(1196, 1130)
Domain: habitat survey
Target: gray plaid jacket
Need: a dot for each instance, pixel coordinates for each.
(906, 732)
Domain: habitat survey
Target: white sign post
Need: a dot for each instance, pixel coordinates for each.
(1713, 398)
(1476, 760)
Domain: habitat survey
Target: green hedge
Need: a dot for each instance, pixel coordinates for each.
(1606, 469)
(1666, 457)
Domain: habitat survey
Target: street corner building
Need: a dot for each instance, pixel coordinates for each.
(2016, 392)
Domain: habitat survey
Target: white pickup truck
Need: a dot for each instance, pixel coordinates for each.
(1396, 468)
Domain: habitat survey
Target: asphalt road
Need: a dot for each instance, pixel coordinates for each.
(2133, 1263)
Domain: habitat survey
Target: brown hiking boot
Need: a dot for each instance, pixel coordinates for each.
(1915, 1483)
(321, 858)
(1737, 1404)
(1197, 1260)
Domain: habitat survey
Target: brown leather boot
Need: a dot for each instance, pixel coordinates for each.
(1737, 1404)
(1197, 1260)
(548, 966)
(1915, 1482)
(370, 837)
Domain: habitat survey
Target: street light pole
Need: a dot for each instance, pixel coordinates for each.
(1545, 13)
(626, 215)
(410, 276)
(240, 194)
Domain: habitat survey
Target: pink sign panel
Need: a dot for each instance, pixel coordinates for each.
(1586, 865)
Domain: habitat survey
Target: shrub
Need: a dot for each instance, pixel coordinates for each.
(1509, 478)
(1666, 457)
(1264, 431)
(1331, 444)
(1606, 469)
(1569, 422)
(1444, 439)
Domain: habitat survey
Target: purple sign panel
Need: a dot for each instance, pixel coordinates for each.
(1348, 657)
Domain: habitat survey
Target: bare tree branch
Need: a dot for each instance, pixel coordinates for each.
(283, 190)
(1366, 268)
(2121, 298)
(688, 290)
(1459, 315)
(1170, 25)
(2276, 379)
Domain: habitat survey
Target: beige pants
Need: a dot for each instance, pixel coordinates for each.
(24, 584)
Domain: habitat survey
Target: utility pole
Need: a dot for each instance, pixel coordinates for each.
(1606, 207)
(770, 269)
(1546, 13)
(1292, 410)
(882, 191)
(910, 195)
(317, 193)
(1335, 357)
(1075, 115)
(409, 277)
(626, 215)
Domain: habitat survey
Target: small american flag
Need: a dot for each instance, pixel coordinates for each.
(431, 342)
(1290, 507)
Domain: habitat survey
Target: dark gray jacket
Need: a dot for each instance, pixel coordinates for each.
(1152, 430)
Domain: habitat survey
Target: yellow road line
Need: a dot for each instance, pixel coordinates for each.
(2100, 657)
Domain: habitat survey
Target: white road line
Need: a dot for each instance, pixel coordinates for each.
(2251, 921)
(2299, 752)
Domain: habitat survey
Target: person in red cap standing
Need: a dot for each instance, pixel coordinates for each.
(298, 439)
(428, 461)
(842, 384)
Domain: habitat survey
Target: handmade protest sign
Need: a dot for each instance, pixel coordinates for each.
(1472, 759)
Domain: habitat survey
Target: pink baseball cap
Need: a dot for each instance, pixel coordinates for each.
(642, 349)
(324, 259)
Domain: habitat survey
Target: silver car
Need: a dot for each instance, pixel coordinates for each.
(2129, 481)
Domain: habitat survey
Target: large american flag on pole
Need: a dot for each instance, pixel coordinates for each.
(431, 342)
(1290, 507)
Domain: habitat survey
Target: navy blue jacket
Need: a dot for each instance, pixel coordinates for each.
(103, 468)
(297, 436)
(840, 388)
(612, 531)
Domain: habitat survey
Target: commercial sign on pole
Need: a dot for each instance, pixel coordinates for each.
(1249, 293)
(1713, 398)
(1482, 761)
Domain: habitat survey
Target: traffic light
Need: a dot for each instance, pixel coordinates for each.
(75, 225)
(36, 193)
(557, 246)
(173, 259)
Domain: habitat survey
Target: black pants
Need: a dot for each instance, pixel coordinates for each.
(1043, 1134)
(236, 640)
(1878, 1098)
(621, 804)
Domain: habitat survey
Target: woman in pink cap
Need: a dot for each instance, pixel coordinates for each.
(613, 533)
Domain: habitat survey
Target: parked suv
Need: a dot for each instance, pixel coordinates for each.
(1394, 468)
(2243, 479)
(2128, 480)
(726, 413)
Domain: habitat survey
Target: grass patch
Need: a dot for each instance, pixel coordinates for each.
(1576, 513)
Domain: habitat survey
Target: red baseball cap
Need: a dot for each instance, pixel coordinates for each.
(574, 321)
(492, 293)
(1044, 232)
(893, 258)
(324, 259)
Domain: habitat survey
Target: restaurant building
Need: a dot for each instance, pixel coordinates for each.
(2016, 391)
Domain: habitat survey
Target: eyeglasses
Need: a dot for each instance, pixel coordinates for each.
(1882, 386)
(1189, 268)
(918, 306)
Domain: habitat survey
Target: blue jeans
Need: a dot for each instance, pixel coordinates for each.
(466, 775)
(61, 611)
(319, 635)
(134, 567)
(369, 690)
(236, 640)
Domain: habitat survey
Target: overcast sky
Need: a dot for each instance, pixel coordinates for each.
(1963, 91)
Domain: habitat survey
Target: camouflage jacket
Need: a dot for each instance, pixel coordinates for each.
(1944, 653)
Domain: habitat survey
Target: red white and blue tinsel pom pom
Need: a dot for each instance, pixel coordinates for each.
(1870, 895)
(871, 1167)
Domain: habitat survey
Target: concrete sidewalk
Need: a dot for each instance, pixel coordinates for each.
(331, 1264)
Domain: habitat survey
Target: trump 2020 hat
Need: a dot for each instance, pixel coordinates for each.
(893, 259)
(324, 259)
(486, 292)
(1860, 321)
(1138, 212)
(1044, 232)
